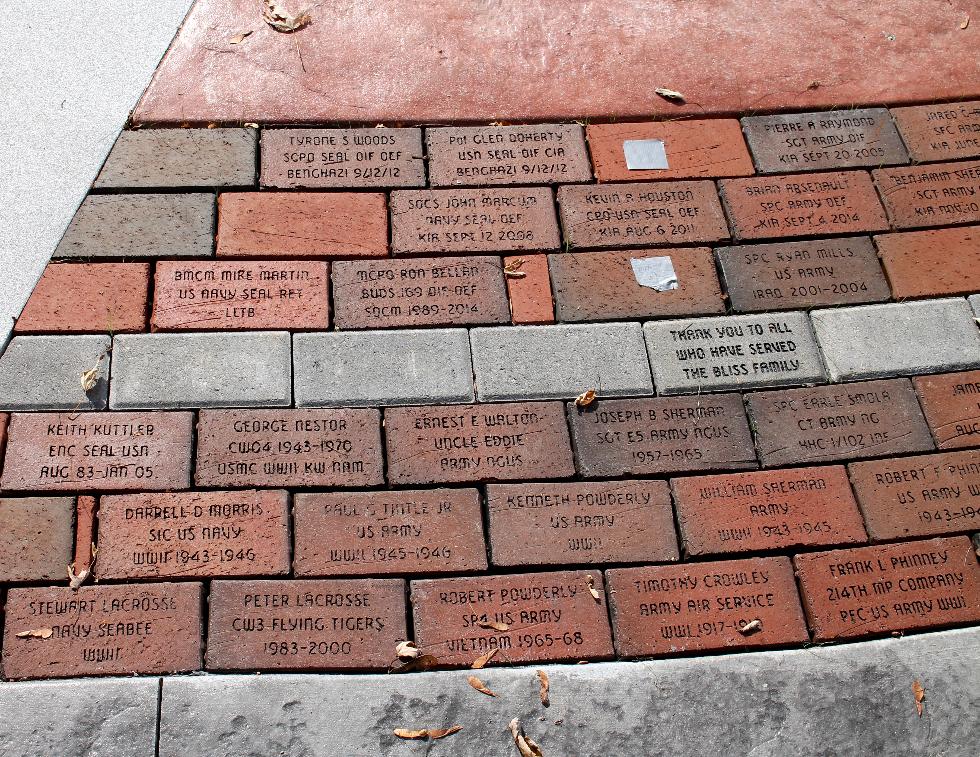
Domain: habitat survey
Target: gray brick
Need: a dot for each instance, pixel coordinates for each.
(733, 352)
(141, 226)
(411, 367)
(897, 339)
(162, 371)
(181, 158)
(974, 300)
(559, 362)
(45, 373)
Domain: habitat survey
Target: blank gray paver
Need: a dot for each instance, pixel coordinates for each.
(45, 372)
(164, 371)
(560, 362)
(411, 367)
(897, 339)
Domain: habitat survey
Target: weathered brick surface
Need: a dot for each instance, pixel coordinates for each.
(940, 132)
(419, 292)
(473, 220)
(951, 402)
(305, 625)
(85, 552)
(98, 452)
(547, 617)
(702, 606)
(219, 295)
(927, 495)
(193, 535)
(804, 274)
(897, 587)
(661, 435)
(576, 523)
(289, 448)
(529, 290)
(302, 225)
(342, 158)
(35, 538)
(502, 442)
(931, 263)
(694, 149)
(103, 630)
(409, 531)
(771, 207)
(599, 286)
(766, 510)
(641, 215)
(933, 195)
(45, 372)
(506, 155)
(869, 419)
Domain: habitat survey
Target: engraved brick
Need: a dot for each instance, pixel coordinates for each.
(221, 295)
(944, 131)
(289, 448)
(507, 155)
(694, 148)
(933, 195)
(98, 452)
(302, 225)
(407, 531)
(951, 402)
(470, 443)
(767, 510)
(419, 292)
(927, 495)
(193, 535)
(931, 263)
(669, 609)
(35, 538)
(804, 274)
(870, 419)
(821, 141)
(641, 215)
(473, 220)
(305, 625)
(148, 629)
(661, 435)
(771, 207)
(549, 617)
(578, 523)
(530, 294)
(916, 585)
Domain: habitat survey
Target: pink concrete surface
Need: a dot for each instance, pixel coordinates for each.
(483, 60)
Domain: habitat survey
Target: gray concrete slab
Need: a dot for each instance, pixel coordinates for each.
(45, 372)
(974, 300)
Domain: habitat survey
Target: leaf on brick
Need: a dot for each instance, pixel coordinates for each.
(526, 746)
(545, 686)
(422, 662)
(671, 95)
(75, 580)
(966, 23)
(592, 589)
(920, 694)
(585, 399)
(36, 633)
(409, 733)
(407, 650)
(481, 661)
(493, 624)
(753, 626)
(239, 38)
(282, 20)
(513, 269)
(480, 686)
(441, 733)
(90, 378)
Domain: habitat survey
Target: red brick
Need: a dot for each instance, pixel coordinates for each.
(670, 609)
(289, 448)
(193, 535)
(940, 132)
(120, 451)
(471, 443)
(302, 225)
(767, 510)
(927, 495)
(550, 617)
(84, 534)
(578, 523)
(951, 402)
(228, 295)
(934, 195)
(148, 629)
(696, 148)
(407, 531)
(842, 202)
(641, 215)
(35, 538)
(838, 422)
(87, 297)
(661, 435)
(530, 294)
(473, 220)
(305, 625)
(372, 294)
(896, 587)
(599, 286)
(932, 263)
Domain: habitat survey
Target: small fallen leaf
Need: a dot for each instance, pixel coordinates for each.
(408, 733)
(545, 685)
(592, 589)
(496, 626)
(89, 379)
(753, 626)
(441, 733)
(422, 662)
(813, 85)
(250, 125)
(585, 398)
(513, 269)
(481, 661)
(966, 23)
(407, 650)
(45, 633)
(671, 95)
(480, 686)
(525, 745)
(917, 691)
(427, 733)
(75, 580)
(239, 38)
(282, 20)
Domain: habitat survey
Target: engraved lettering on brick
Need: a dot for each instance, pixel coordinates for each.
(951, 402)
(944, 193)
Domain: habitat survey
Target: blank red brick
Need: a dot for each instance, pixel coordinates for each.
(915, 585)
(530, 294)
(944, 131)
(931, 263)
(951, 402)
(35, 538)
(934, 195)
(541, 617)
(669, 609)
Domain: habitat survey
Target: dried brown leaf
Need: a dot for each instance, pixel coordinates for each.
(75, 580)
(481, 661)
(480, 686)
(407, 650)
(90, 378)
(966, 23)
(585, 399)
(592, 589)
(422, 662)
(545, 685)
(753, 626)
(441, 733)
(671, 95)
(409, 733)
(917, 691)
(525, 745)
(495, 625)
(282, 20)
(513, 269)
(239, 38)
(36, 633)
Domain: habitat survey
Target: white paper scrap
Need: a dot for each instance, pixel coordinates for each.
(655, 273)
(645, 154)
